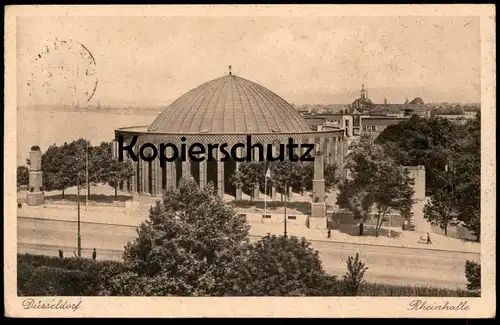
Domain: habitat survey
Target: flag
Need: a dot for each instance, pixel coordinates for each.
(268, 173)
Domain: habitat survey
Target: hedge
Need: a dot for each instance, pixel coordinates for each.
(388, 290)
(39, 275)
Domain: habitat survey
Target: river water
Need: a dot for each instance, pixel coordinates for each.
(45, 127)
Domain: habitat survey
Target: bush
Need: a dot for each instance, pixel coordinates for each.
(473, 275)
(354, 276)
(387, 290)
(281, 266)
(24, 273)
(52, 281)
(47, 275)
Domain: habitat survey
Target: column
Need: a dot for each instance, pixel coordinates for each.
(140, 175)
(173, 173)
(273, 187)
(126, 186)
(168, 168)
(327, 151)
(203, 172)
(157, 188)
(256, 190)
(186, 169)
(114, 149)
(159, 179)
(145, 177)
(318, 180)
(154, 177)
(336, 149)
(133, 179)
(238, 190)
(220, 175)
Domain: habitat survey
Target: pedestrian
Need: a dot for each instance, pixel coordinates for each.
(429, 239)
(94, 254)
(61, 254)
(329, 232)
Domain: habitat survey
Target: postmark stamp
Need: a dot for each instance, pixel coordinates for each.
(64, 69)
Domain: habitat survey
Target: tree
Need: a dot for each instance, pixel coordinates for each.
(467, 179)
(473, 275)
(431, 142)
(22, 175)
(99, 161)
(249, 176)
(53, 167)
(286, 174)
(304, 176)
(438, 210)
(283, 266)
(331, 175)
(377, 181)
(358, 201)
(391, 190)
(186, 247)
(117, 172)
(354, 276)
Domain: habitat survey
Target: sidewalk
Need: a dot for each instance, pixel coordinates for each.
(407, 239)
(103, 215)
(113, 216)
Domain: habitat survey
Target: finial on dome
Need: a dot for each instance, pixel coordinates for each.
(230, 70)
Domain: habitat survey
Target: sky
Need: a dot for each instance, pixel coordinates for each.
(151, 61)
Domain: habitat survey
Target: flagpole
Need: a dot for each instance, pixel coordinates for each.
(286, 199)
(265, 195)
(87, 174)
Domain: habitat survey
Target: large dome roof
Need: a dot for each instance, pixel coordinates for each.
(229, 104)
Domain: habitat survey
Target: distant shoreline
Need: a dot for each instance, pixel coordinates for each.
(120, 111)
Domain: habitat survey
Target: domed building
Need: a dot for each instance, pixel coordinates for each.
(223, 110)
(363, 104)
(417, 101)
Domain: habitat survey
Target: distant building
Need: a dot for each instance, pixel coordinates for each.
(417, 101)
(375, 124)
(364, 116)
(365, 106)
(363, 103)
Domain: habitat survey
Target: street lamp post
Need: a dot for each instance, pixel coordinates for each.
(450, 178)
(87, 174)
(79, 238)
(286, 199)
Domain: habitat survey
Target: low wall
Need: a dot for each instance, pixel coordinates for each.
(459, 232)
(276, 218)
(345, 218)
(116, 204)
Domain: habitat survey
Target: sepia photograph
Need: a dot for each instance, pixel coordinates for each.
(208, 161)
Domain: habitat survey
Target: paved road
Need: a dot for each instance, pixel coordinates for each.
(386, 265)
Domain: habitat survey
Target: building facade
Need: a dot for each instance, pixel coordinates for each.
(222, 111)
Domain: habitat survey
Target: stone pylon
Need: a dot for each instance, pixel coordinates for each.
(318, 206)
(35, 191)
